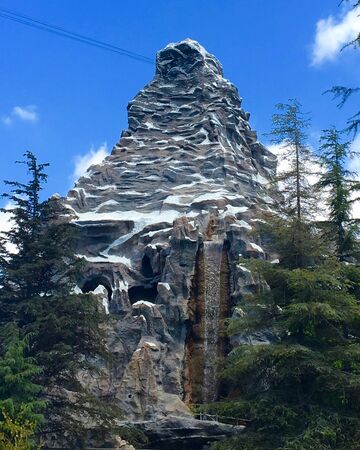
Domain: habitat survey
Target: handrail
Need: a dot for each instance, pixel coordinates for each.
(223, 419)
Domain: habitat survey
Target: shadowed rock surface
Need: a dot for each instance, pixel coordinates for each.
(187, 181)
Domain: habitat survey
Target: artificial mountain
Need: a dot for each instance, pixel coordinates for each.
(163, 222)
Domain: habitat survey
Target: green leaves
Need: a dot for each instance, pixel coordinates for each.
(301, 388)
(19, 393)
(289, 129)
(340, 187)
(65, 331)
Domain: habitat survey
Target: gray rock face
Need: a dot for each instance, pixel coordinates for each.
(168, 434)
(188, 170)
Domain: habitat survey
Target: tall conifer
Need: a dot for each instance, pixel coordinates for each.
(65, 329)
(341, 190)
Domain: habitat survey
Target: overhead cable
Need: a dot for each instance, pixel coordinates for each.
(43, 26)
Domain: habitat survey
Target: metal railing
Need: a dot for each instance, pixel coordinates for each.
(235, 421)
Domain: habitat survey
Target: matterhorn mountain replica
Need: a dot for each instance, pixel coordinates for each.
(164, 220)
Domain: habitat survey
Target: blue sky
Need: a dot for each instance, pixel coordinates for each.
(61, 99)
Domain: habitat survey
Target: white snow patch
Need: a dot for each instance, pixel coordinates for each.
(76, 290)
(136, 216)
(241, 224)
(107, 203)
(144, 303)
(107, 259)
(243, 268)
(153, 233)
(256, 247)
(123, 285)
(166, 286)
(105, 303)
(100, 290)
(209, 196)
(233, 210)
(177, 200)
(260, 179)
(151, 345)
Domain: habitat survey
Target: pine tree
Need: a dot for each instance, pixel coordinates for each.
(293, 237)
(289, 129)
(20, 405)
(336, 180)
(18, 390)
(301, 390)
(297, 243)
(343, 93)
(65, 329)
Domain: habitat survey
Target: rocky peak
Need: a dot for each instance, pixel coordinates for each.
(189, 147)
(163, 221)
(186, 59)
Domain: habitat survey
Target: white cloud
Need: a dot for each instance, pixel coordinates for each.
(7, 120)
(25, 113)
(6, 224)
(279, 150)
(332, 35)
(354, 165)
(313, 167)
(93, 156)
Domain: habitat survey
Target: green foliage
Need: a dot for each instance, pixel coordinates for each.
(336, 180)
(343, 93)
(298, 243)
(20, 407)
(18, 391)
(66, 332)
(17, 433)
(290, 126)
(302, 389)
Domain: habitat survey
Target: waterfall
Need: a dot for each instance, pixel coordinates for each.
(213, 251)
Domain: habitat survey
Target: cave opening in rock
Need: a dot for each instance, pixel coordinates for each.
(147, 293)
(146, 268)
(92, 283)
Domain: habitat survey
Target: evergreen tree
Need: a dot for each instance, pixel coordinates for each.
(292, 237)
(20, 407)
(65, 329)
(18, 390)
(339, 186)
(297, 243)
(302, 389)
(17, 433)
(289, 129)
(343, 93)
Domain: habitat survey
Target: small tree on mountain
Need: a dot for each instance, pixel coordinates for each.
(340, 187)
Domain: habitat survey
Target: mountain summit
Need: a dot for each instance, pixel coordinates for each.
(163, 221)
(188, 147)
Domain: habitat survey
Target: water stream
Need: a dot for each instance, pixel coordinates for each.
(212, 277)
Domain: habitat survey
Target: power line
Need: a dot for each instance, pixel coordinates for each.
(43, 26)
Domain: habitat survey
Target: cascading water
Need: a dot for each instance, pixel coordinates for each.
(213, 251)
